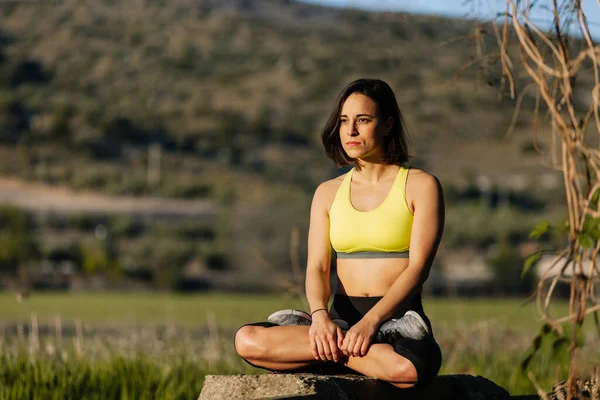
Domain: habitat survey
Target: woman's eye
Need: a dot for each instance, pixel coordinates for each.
(363, 120)
(343, 121)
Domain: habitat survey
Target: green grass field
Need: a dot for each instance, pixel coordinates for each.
(159, 345)
(232, 310)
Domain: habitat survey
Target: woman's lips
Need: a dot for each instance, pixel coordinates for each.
(353, 143)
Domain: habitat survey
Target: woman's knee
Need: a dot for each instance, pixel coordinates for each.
(402, 373)
(248, 343)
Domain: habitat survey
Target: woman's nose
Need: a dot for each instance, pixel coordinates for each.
(351, 128)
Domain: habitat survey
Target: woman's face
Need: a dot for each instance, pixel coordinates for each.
(361, 129)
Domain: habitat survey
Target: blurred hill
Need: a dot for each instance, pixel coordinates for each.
(224, 101)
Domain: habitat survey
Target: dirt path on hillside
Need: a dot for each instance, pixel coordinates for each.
(39, 197)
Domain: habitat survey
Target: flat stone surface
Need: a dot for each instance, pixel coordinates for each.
(345, 387)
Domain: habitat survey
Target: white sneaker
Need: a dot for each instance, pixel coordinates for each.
(290, 317)
(411, 325)
(298, 317)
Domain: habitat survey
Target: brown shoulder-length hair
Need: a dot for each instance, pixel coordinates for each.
(395, 142)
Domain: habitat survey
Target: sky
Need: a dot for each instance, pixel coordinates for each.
(484, 9)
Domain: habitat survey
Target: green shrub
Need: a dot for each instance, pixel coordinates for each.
(217, 261)
(62, 252)
(507, 264)
(184, 229)
(125, 226)
(17, 243)
(14, 118)
(188, 190)
(61, 129)
(476, 224)
(93, 257)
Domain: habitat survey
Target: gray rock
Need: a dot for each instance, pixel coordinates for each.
(344, 387)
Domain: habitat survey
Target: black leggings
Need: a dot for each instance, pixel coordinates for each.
(425, 354)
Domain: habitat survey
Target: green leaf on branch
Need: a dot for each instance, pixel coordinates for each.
(586, 240)
(536, 345)
(594, 228)
(595, 197)
(589, 224)
(579, 335)
(591, 227)
(539, 230)
(530, 261)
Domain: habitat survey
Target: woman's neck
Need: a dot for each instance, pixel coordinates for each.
(373, 173)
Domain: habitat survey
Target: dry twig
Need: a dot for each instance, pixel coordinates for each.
(547, 59)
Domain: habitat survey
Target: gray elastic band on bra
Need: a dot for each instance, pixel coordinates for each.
(374, 254)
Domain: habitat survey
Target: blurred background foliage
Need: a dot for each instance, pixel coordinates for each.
(224, 101)
(155, 147)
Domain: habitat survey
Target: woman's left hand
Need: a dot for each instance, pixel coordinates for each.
(357, 339)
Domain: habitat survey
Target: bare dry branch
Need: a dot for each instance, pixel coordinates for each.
(515, 116)
(592, 54)
(528, 45)
(547, 59)
(572, 317)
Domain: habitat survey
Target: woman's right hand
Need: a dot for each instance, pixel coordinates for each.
(325, 337)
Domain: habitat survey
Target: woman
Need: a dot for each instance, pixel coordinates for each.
(371, 216)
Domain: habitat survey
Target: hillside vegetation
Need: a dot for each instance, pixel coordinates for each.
(224, 100)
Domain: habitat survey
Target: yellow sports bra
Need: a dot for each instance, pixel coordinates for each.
(383, 232)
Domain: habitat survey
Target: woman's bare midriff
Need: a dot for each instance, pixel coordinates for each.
(368, 277)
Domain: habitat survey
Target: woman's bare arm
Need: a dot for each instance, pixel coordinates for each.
(319, 252)
(428, 224)
(427, 229)
(325, 336)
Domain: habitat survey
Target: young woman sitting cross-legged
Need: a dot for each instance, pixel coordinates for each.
(383, 222)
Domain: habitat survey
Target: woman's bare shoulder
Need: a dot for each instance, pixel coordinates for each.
(419, 177)
(326, 191)
(421, 183)
(332, 184)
